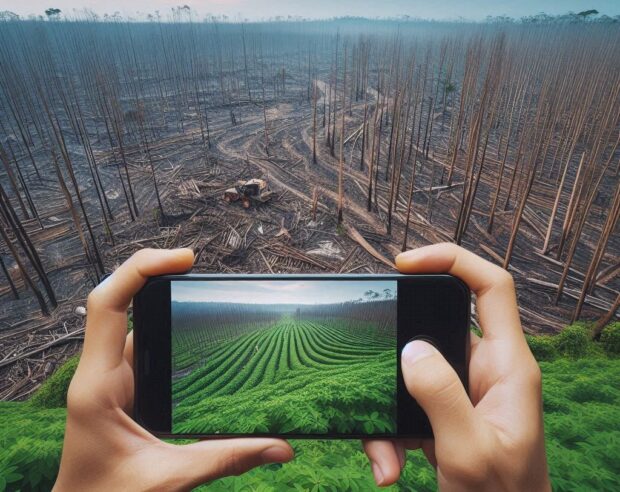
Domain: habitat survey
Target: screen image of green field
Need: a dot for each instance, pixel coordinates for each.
(283, 356)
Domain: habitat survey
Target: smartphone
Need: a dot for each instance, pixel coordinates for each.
(295, 356)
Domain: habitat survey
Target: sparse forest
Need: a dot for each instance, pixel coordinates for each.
(375, 136)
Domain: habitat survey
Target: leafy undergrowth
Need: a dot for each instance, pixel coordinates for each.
(582, 426)
(30, 445)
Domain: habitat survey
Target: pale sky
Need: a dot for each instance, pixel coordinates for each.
(276, 291)
(263, 9)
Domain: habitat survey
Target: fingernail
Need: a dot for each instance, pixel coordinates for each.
(415, 351)
(275, 454)
(378, 474)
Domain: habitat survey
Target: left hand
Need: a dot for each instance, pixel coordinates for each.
(104, 449)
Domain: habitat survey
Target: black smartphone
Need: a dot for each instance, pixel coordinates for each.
(296, 356)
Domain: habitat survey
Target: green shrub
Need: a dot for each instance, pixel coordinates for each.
(542, 346)
(610, 338)
(53, 392)
(30, 446)
(574, 340)
(584, 389)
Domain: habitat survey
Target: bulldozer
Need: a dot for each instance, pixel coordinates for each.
(253, 190)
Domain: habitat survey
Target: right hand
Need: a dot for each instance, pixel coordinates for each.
(491, 439)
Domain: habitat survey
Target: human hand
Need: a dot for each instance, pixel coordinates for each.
(104, 449)
(492, 439)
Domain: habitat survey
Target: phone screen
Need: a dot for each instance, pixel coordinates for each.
(284, 356)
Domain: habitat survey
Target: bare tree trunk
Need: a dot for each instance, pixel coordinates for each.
(314, 98)
(604, 321)
(264, 108)
(9, 279)
(341, 158)
(25, 275)
(554, 211)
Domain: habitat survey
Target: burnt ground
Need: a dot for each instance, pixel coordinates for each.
(280, 236)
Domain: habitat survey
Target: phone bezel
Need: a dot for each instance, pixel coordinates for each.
(427, 305)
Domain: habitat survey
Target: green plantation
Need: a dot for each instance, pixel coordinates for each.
(582, 427)
(291, 376)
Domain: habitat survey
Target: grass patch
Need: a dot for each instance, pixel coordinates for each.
(582, 427)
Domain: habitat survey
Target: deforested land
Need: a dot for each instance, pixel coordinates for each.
(373, 136)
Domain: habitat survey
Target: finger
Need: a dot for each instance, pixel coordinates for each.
(412, 444)
(129, 382)
(495, 294)
(474, 339)
(438, 390)
(116, 292)
(385, 461)
(106, 323)
(204, 461)
(128, 350)
(428, 447)
(401, 452)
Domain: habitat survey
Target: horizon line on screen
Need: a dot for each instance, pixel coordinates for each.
(303, 292)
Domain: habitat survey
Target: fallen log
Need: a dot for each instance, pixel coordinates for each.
(356, 236)
(573, 293)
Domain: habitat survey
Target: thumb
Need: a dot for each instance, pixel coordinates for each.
(438, 390)
(208, 460)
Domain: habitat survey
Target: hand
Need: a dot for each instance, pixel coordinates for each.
(492, 439)
(104, 449)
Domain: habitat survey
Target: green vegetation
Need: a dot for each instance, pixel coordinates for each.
(311, 376)
(53, 392)
(573, 340)
(30, 445)
(610, 338)
(543, 347)
(582, 426)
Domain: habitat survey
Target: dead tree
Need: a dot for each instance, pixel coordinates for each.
(314, 100)
(24, 273)
(341, 157)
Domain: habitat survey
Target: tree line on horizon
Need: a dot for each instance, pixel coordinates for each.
(185, 12)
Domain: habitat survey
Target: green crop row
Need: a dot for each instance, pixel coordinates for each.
(304, 344)
(191, 345)
(217, 363)
(343, 399)
(342, 382)
(186, 352)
